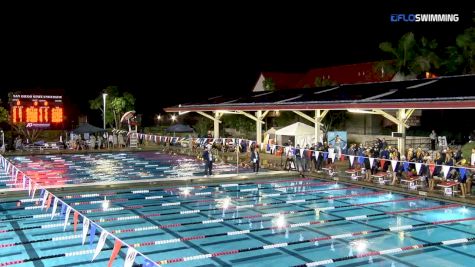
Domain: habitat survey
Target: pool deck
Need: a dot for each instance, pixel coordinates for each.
(223, 178)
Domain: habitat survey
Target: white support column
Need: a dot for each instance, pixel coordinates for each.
(250, 116)
(318, 121)
(215, 119)
(258, 118)
(401, 141)
(258, 128)
(204, 114)
(400, 121)
(408, 114)
(391, 117)
(217, 116)
(307, 117)
(303, 115)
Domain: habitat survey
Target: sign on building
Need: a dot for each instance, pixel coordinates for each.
(442, 141)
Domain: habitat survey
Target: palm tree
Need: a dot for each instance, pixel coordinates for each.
(461, 57)
(410, 58)
(426, 60)
(322, 82)
(269, 84)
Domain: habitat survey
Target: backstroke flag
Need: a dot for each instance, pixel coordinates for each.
(100, 244)
(115, 251)
(371, 161)
(130, 257)
(92, 234)
(45, 197)
(55, 206)
(394, 164)
(75, 220)
(66, 217)
(445, 169)
(85, 228)
(418, 167)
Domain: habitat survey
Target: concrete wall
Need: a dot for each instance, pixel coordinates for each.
(364, 123)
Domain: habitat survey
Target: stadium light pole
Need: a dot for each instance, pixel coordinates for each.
(104, 96)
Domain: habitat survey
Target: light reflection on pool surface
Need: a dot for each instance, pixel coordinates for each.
(216, 218)
(108, 167)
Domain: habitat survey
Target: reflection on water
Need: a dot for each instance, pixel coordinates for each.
(102, 167)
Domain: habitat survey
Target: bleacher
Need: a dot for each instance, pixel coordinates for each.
(422, 142)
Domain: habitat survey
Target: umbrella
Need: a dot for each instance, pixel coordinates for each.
(179, 128)
(87, 128)
(127, 115)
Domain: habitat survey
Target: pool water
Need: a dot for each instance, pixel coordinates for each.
(109, 167)
(270, 222)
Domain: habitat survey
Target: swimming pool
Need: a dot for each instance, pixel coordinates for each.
(270, 222)
(109, 167)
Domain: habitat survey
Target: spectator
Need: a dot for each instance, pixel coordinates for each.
(320, 149)
(384, 143)
(433, 138)
(289, 161)
(255, 158)
(92, 142)
(208, 159)
(99, 142)
(121, 140)
(18, 143)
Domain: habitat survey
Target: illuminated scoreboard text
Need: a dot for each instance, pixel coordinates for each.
(37, 110)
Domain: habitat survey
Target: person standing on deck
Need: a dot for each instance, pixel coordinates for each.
(208, 159)
(255, 158)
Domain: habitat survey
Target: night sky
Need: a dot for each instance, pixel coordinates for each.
(169, 55)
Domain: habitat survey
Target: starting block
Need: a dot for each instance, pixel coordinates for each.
(329, 171)
(380, 176)
(448, 187)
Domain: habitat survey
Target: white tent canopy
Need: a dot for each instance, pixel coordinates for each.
(303, 133)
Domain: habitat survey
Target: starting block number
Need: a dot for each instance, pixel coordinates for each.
(448, 191)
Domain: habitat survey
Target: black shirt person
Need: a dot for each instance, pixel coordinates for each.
(208, 159)
(255, 158)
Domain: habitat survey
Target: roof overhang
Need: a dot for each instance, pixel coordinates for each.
(454, 92)
(429, 104)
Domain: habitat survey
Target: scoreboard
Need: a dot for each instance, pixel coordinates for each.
(37, 111)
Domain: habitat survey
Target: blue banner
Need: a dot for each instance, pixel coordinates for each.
(338, 140)
(92, 234)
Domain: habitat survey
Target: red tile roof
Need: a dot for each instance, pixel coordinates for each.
(343, 74)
